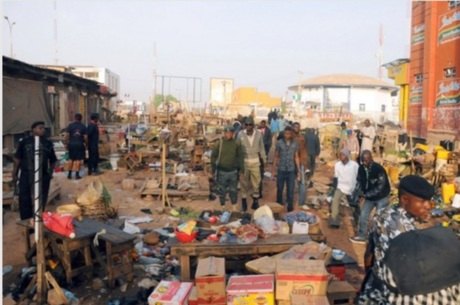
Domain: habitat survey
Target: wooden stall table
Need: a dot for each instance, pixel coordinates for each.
(271, 245)
(118, 246)
(64, 247)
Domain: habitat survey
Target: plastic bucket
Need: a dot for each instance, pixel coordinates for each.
(447, 192)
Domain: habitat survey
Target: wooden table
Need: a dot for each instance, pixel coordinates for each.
(117, 244)
(271, 245)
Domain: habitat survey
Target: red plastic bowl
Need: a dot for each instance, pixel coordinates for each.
(186, 238)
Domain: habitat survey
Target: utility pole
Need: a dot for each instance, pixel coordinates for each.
(10, 25)
(380, 53)
(56, 57)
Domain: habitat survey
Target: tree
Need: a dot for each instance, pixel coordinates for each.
(167, 99)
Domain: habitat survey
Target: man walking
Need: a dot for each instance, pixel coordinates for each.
(286, 165)
(267, 139)
(368, 136)
(313, 149)
(345, 174)
(24, 162)
(303, 162)
(93, 144)
(226, 162)
(253, 152)
(375, 188)
(76, 145)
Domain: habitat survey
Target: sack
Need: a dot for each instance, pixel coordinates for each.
(424, 261)
(92, 194)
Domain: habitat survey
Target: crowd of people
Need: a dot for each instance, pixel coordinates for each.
(405, 264)
(394, 234)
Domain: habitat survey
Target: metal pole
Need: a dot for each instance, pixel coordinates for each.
(10, 26)
(38, 202)
(37, 185)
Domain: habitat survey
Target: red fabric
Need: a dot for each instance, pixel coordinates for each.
(60, 224)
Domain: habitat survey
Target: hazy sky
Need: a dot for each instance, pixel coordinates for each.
(257, 43)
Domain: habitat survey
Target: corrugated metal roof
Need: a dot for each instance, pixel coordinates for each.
(353, 80)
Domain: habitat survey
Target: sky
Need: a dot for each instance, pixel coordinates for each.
(265, 44)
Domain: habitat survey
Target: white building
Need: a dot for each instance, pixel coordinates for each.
(363, 96)
(99, 74)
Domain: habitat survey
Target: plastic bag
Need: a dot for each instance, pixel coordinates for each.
(267, 224)
(60, 224)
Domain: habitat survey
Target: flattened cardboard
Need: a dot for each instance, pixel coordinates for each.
(298, 299)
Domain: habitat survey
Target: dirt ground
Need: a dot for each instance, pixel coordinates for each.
(130, 203)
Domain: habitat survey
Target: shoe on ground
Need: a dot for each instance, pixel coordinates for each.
(358, 240)
(305, 207)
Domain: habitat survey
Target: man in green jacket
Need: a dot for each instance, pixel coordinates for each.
(226, 162)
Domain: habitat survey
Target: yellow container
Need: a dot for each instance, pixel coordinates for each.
(423, 147)
(447, 192)
(393, 173)
(443, 154)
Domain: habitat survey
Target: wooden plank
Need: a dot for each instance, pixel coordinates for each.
(273, 244)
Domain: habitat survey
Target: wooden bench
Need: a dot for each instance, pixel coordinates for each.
(117, 245)
(341, 292)
(271, 245)
(64, 248)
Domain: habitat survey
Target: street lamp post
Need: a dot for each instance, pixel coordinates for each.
(10, 25)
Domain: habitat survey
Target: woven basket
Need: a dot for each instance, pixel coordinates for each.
(70, 209)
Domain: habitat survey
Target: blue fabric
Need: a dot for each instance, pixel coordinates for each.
(366, 212)
(287, 155)
(288, 179)
(302, 186)
(274, 126)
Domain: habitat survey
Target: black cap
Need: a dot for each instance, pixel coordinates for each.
(417, 186)
(424, 261)
(94, 116)
(249, 121)
(36, 123)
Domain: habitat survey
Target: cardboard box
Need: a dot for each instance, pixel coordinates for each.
(210, 280)
(193, 297)
(170, 293)
(300, 227)
(251, 289)
(304, 277)
(297, 299)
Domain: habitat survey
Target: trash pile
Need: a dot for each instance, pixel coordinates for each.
(234, 227)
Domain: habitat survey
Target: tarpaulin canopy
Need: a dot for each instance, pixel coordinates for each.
(24, 102)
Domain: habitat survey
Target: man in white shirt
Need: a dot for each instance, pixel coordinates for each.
(368, 136)
(345, 176)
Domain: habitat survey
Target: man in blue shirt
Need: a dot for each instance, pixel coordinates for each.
(287, 165)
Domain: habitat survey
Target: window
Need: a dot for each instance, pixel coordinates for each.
(384, 108)
(419, 78)
(362, 107)
(94, 75)
(450, 72)
(454, 4)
